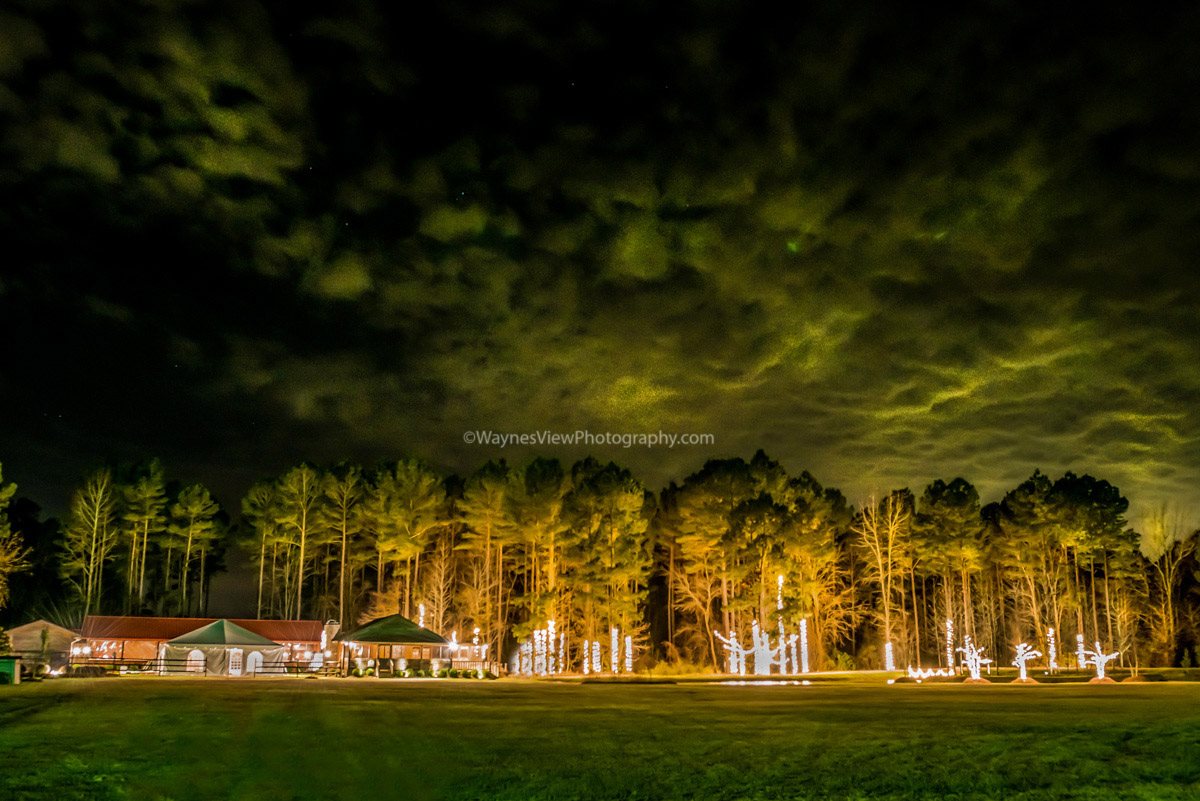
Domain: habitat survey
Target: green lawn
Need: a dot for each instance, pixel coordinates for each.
(316, 739)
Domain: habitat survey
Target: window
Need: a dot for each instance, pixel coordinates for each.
(195, 661)
(235, 661)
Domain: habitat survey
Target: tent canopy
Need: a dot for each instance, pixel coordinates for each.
(222, 632)
(392, 629)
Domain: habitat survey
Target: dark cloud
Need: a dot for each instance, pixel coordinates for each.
(886, 247)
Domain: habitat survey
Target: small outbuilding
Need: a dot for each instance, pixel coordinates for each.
(42, 643)
(222, 648)
(391, 644)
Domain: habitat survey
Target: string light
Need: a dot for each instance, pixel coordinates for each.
(765, 654)
(737, 654)
(889, 659)
(1024, 654)
(973, 658)
(596, 656)
(628, 654)
(928, 673)
(803, 646)
(1052, 647)
(551, 641)
(950, 643)
(1099, 659)
(421, 615)
(1080, 654)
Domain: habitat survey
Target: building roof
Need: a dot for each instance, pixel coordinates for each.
(28, 636)
(392, 629)
(112, 627)
(221, 632)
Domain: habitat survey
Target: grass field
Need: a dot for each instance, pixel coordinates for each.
(319, 739)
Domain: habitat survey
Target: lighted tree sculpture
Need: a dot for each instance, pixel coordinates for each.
(736, 653)
(1099, 660)
(974, 659)
(1025, 653)
(764, 653)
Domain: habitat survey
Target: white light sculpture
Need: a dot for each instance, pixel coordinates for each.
(889, 657)
(628, 654)
(1052, 647)
(1024, 654)
(551, 642)
(950, 643)
(765, 654)
(595, 656)
(973, 658)
(737, 654)
(928, 673)
(614, 650)
(1099, 659)
(1080, 653)
(421, 615)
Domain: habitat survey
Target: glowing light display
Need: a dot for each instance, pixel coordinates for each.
(929, 673)
(1052, 647)
(766, 656)
(1024, 654)
(803, 646)
(973, 658)
(950, 643)
(1080, 653)
(1098, 659)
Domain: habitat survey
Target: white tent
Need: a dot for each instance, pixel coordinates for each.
(222, 649)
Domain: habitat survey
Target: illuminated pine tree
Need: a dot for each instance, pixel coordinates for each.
(342, 515)
(194, 526)
(143, 518)
(90, 536)
(13, 554)
(261, 516)
(487, 542)
(299, 495)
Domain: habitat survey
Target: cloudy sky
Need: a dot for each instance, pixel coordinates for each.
(886, 247)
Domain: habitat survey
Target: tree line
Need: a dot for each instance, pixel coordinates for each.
(509, 548)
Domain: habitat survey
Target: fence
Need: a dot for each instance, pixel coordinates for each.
(185, 667)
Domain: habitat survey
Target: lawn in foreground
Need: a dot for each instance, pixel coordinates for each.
(317, 739)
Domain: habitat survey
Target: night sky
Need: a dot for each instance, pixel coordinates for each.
(887, 246)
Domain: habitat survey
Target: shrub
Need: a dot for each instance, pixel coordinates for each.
(677, 667)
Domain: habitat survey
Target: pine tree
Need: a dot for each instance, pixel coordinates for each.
(143, 517)
(193, 525)
(299, 496)
(14, 557)
(90, 537)
(342, 515)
